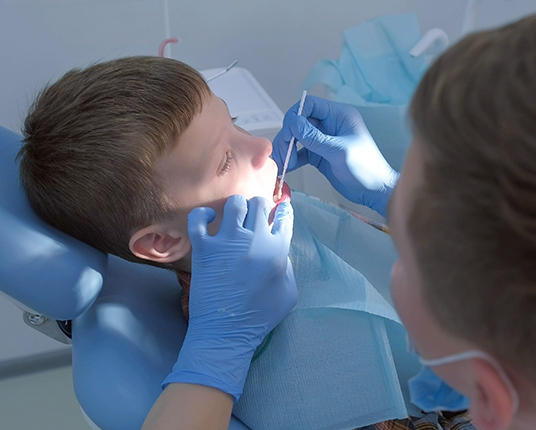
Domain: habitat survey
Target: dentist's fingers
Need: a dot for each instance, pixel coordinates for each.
(319, 116)
(316, 107)
(234, 214)
(309, 136)
(305, 133)
(198, 220)
(291, 295)
(257, 216)
(284, 222)
(280, 148)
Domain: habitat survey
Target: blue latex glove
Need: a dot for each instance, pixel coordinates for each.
(242, 286)
(336, 141)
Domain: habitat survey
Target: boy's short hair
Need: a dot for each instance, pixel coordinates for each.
(92, 140)
(473, 221)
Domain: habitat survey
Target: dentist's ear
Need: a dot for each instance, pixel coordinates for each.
(493, 406)
(160, 244)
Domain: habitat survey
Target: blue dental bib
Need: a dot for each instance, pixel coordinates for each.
(339, 359)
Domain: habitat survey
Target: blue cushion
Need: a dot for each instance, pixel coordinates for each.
(42, 268)
(127, 321)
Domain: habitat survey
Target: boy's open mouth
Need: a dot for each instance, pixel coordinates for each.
(285, 197)
(285, 192)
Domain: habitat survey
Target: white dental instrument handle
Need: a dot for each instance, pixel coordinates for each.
(430, 38)
(291, 144)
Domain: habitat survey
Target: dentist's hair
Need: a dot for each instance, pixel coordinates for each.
(473, 223)
(91, 143)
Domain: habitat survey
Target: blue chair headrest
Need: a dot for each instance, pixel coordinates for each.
(43, 269)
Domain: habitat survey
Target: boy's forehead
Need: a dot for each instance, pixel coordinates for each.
(196, 148)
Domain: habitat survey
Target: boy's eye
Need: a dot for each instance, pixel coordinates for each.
(227, 164)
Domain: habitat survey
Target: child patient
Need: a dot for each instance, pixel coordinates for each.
(119, 153)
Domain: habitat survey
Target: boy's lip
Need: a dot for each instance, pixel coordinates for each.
(285, 192)
(285, 197)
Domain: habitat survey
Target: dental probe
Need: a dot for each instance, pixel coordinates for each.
(291, 144)
(223, 72)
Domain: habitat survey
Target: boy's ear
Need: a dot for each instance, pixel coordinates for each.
(156, 243)
(492, 405)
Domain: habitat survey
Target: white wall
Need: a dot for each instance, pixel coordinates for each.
(277, 40)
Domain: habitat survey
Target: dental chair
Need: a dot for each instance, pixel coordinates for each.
(123, 319)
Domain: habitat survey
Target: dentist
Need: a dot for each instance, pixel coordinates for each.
(463, 218)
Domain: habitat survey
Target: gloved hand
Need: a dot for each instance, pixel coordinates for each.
(336, 141)
(242, 287)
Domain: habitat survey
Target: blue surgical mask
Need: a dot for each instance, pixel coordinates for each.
(430, 393)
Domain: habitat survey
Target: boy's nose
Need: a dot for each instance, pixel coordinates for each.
(261, 149)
